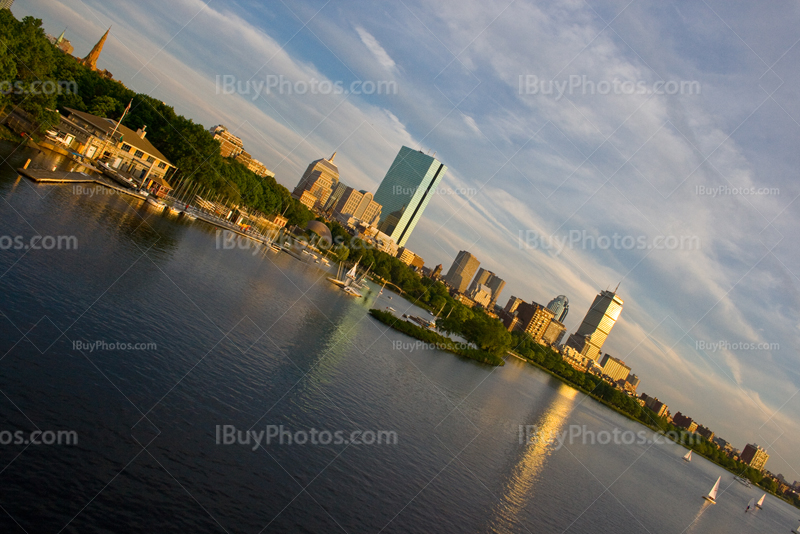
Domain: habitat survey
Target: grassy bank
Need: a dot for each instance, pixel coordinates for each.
(436, 340)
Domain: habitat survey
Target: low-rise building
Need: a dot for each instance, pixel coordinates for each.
(614, 368)
(230, 146)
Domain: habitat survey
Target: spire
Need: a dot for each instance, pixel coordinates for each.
(616, 288)
(91, 60)
(331, 158)
(61, 37)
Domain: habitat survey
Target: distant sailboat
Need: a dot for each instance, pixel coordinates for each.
(760, 503)
(750, 505)
(712, 495)
(688, 456)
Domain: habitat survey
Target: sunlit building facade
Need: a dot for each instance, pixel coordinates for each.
(596, 325)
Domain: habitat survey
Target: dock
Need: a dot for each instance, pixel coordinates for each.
(65, 177)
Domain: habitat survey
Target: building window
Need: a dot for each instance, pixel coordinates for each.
(150, 159)
(126, 147)
(161, 165)
(138, 154)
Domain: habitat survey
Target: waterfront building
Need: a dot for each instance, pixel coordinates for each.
(559, 306)
(615, 368)
(656, 405)
(406, 190)
(683, 421)
(632, 383)
(461, 271)
(128, 152)
(317, 183)
(490, 280)
(437, 272)
(513, 304)
(705, 432)
(597, 324)
(754, 456)
(259, 169)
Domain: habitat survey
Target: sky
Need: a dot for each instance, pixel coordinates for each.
(589, 144)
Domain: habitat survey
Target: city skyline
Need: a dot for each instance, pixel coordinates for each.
(675, 303)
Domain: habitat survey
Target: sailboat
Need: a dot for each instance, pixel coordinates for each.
(712, 495)
(750, 505)
(688, 456)
(760, 503)
(338, 280)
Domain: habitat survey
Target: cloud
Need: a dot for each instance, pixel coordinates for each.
(376, 49)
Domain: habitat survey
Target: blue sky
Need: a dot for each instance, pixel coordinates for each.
(524, 165)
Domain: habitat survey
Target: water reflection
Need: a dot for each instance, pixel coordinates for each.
(519, 488)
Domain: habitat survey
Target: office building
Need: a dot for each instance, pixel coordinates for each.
(482, 295)
(410, 258)
(406, 190)
(754, 456)
(633, 383)
(705, 432)
(615, 368)
(317, 183)
(461, 271)
(533, 319)
(559, 306)
(554, 332)
(513, 304)
(346, 201)
(596, 325)
(490, 280)
(437, 272)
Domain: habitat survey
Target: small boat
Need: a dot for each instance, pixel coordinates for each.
(157, 204)
(750, 505)
(712, 495)
(352, 292)
(275, 247)
(743, 481)
(760, 503)
(688, 457)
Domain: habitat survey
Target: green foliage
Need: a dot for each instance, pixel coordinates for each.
(441, 342)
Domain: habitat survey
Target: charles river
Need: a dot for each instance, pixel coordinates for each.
(154, 347)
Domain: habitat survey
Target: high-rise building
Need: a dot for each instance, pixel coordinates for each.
(754, 456)
(490, 280)
(559, 306)
(230, 146)
(437, 272)
(351, 203)
(533, 319)
(596, 325)
(462, 271)
(406, 190)
(554, 332)
(513, 304)
(317, 183)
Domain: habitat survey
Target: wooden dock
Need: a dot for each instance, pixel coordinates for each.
(65, 177)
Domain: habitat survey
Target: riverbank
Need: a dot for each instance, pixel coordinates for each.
(437, 341)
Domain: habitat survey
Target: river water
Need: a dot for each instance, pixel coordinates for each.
(220, 340)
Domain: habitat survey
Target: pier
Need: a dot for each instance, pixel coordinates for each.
(66, 177)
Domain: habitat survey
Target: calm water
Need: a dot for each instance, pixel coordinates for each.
(252, 338)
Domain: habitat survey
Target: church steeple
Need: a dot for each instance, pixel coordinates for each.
(61, 37)
(91, 60)
(331, 158)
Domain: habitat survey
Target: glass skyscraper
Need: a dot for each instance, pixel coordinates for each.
(559, 306)
(405, 191)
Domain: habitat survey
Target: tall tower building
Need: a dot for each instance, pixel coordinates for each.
(559, 306)
(754, 456)
(317, 183)
(6, 4)
(490, 280)
(462, 271)
(596, 325)
(91, 60)
(405, 191)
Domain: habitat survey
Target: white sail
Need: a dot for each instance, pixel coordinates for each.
(688, 456)
(750, 505)
(760, 502)
(713, 493)
(352, 272)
